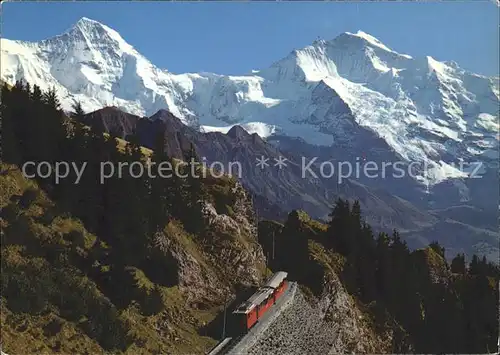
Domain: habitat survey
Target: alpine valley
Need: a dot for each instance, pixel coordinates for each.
(350, 99)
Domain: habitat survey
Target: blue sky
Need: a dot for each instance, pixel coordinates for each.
(234, 38)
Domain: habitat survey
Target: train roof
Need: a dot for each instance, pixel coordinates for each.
(262, 293)
(275, 280)
(257, 298)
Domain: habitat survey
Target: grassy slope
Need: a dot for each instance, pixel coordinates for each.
(41, 263)
(31, 236)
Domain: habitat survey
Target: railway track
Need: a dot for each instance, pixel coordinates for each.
(225, 345)
(219, 349)
(229, 344)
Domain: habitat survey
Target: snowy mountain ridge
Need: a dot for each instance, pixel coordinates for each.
(426, 110)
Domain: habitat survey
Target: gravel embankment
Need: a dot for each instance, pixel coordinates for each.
(300, 330)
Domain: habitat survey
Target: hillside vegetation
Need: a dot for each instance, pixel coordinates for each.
(130, 265)
(401, 301)
(137, 264)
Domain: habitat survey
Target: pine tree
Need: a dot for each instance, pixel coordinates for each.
(474, 266)
(340, 231)
(78, 112)
(52, 128)
(356, 215)
(160, 185)
(437, 248)
(27, 89)
(195, 219)
(50, 98)
(458, 264)
(36, 95)
(366, 260)
(384, 269)
(139, 182)
(10, 147)
(18, 105)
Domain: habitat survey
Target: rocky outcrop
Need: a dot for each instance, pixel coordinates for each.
(331, 324)
(235, 247)
(209, 269)
(242, 220)
(432, 267)
(324, 318)
(197, 282)
(355, 334)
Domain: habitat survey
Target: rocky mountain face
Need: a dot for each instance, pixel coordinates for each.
(464, 211)
(276, 190)
(232, 250)
(162, 311)
(382, 299)
(288, 188)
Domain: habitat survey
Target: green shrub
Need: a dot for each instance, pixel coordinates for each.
(76, 238)
(153, 302)
(10, 212)
(48, 216)
(222, 196)
(53, 327)
(28, 197)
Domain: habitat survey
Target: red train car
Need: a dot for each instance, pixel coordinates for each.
(278, 283)
(250, 311)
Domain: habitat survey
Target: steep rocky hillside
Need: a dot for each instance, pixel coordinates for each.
(63, 293)
(325, 317)
(133, 265)
(276, 191)
(286, 188)
(137, 264)
(367, 294)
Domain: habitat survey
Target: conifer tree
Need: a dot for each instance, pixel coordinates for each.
(195, 193)
(161, 207)
(78, 112)
(50, 98)
(384, 267)
(340, 227)
(10, 147)
(474, 266)
(458, 264)
(36, 95)
(356, 215)
(136, 208)
(437, 248)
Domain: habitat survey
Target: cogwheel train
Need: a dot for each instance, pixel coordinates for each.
(249, 312)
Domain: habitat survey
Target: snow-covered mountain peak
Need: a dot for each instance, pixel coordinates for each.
(86, 22)
(367, 38)
(362, 40)
(424, 109)
(357, 57)
(96, 34)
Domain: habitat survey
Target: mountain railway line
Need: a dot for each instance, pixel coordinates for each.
(252, 316)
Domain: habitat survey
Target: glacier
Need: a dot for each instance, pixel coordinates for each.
(426, 110)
